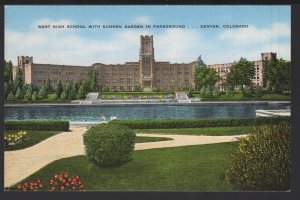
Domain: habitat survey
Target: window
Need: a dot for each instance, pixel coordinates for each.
(121, 88)
(128, 80)
(179, 72)
(187, 73)
(129, 88)
(121, 80)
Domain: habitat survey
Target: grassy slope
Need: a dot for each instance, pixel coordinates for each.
(201, 131)
(192, 168)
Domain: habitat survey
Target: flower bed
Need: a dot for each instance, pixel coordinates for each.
(12, 139)
(136, 97)
(59, 182)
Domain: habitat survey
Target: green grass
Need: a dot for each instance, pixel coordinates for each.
(140, 139)
(201, 131)
(33, 137)
(238, 96)
(192, 168)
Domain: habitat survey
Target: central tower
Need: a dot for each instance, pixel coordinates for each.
(147, 61)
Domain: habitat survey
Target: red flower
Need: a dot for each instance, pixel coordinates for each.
(62, 187)
(74, 179)
(74, 187)
(77, 177)
(56, 175)
(69, 179)
(19, 186)
(79, 182)
(81, 186)
(67, 184)
(40, 185)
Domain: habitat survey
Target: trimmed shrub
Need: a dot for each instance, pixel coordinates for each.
(109, 145)
(198, 123)
(263, 160)
(38, 125)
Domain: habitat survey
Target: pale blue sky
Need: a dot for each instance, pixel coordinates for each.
(269, 30)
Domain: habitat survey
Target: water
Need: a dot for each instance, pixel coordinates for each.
(92, 113)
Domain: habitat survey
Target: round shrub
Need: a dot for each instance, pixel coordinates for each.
(109, 145)
(263, 160)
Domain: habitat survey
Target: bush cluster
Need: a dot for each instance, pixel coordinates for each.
(109, 145)
(263, 160)
(38, 125)
(198, 123)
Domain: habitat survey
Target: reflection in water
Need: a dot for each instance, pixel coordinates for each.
(92, 113)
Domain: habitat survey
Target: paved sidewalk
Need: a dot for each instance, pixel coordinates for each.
(22, 163)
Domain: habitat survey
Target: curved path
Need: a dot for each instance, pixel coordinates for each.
(22, 163)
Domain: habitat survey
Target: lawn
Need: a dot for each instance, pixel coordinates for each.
(33, 137)
(238, 96)
(140, 139)
(192, 168)
(238, 130)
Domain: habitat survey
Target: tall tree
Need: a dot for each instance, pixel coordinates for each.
(241, 73)
(42, 93)
(278, 75)
(19, 94)
(47, 84)
(58, 88)
(18, 83)
(93, 80)
(200, 63)
(29, 92)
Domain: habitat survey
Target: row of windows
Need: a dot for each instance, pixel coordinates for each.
(123, 88)
(56, 73)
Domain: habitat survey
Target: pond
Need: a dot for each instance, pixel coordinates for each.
(92, 113)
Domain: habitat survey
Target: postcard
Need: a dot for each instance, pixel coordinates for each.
(173, 98)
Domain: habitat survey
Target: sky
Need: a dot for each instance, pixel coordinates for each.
(269, 30)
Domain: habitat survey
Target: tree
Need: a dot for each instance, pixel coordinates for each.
(11, 96)
(34, 96)
(47, 84)
(18, 83)
(58, 88)
(19, 94)
(42, 93)
(93, 80)
(241, 73)
(72, 92)
(6, 90)
(64, 95)
(200, 63)
(278, 75)
(81, 91)
(29, 92)
(205, 76)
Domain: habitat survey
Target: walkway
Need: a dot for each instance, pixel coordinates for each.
(22, 163)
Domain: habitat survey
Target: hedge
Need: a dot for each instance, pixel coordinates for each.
(38, 125)
(198, 123)
(109, 145)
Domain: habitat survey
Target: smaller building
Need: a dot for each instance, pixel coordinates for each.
(257, 79)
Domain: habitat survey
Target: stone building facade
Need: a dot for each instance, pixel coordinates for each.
(144, 74)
